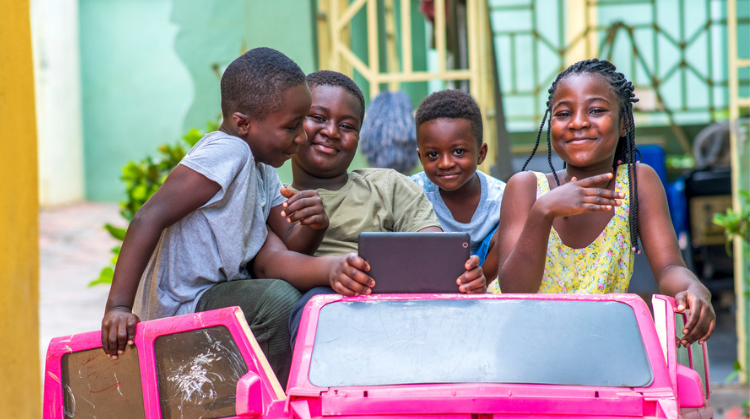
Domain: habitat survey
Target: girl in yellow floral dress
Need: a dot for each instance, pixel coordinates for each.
(576, 230)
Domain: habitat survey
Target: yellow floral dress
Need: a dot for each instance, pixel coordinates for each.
(605, 265)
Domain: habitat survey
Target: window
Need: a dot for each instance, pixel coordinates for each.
(95, 386)
(462, 341)
(198, 373)
(690, 357)
(683, 354)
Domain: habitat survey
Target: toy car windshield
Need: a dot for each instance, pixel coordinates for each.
(587, 343)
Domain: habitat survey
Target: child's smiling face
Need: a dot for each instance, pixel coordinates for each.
(449, 152)
(585, 121)
(277, 137)
(332, 126)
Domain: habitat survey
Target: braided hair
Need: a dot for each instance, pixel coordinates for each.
(626, 151)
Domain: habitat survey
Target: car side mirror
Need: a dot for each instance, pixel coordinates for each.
(689, 387)
(249, 397)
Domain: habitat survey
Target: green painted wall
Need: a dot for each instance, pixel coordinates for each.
(150, 70)
(135, 89)
(212, 34)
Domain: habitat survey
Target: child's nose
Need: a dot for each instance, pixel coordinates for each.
(302, 138)
(331, 129)
(580, 120)
(445, 162)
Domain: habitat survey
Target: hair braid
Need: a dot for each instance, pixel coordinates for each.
(626, 151)
(549, 153)
(633, 173)
(538, 135)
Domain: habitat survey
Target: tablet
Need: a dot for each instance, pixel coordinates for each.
(415, 262)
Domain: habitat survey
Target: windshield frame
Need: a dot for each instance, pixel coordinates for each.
(300, 384)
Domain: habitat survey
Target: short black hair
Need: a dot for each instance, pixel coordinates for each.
(336, 79)
(253, 83)
(451, 104)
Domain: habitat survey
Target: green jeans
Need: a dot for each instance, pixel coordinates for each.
(267, 304)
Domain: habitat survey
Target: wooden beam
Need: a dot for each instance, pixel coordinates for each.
(743, 350)
(406, 52)
(439, 27)
(373, 51)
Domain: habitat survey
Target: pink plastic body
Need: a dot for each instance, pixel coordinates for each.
(417, 401)
(146, 333)
(659, 399)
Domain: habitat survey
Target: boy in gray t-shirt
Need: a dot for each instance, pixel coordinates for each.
(195, 244)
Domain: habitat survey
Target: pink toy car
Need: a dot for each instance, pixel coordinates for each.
(416, 356)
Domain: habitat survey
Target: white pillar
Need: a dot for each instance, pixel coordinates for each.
(58, 98)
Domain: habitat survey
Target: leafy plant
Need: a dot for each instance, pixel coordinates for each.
(736, 224)
(142, 179)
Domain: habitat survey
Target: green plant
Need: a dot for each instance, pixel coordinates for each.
(736, 224)
(142, 179)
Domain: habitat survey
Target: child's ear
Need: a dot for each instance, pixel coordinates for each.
(623, 127)
(241, 123)
(482, 153)
(419, 154)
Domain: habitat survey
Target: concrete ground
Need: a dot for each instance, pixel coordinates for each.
(74, 248)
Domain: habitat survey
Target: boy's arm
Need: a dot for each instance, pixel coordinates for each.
(490, 262)
(663, 253)
(301, 221)
(184, 191)
(345, 274)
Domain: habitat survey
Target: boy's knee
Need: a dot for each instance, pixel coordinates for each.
(278, 299)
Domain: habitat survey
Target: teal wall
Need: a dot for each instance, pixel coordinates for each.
(149, 71)
(135, 89)
(213, 33)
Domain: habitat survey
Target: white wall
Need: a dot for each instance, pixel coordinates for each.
(58, 101)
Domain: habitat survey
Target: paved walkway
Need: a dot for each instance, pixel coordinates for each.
(74, 247)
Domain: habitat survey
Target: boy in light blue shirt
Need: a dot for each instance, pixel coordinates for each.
(450, 147)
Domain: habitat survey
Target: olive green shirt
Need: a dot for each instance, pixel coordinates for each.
(373, 200)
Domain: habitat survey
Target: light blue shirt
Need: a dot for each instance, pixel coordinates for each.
(485, 219)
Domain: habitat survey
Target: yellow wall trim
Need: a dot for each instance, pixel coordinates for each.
(20, 388)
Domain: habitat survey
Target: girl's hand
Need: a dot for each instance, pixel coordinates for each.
(472, 281)
(348, 277)
(701, 320)
(305, 207)
(580, 196)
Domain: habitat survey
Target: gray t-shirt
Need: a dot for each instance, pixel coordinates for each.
(215, 242)
(486, 216)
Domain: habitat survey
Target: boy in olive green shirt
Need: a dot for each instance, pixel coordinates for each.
(360, 200)
(372, 200)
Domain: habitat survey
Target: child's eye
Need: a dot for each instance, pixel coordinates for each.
(598, 111)
(431, 154)
(459, 151)
(316, 118)
(562, 114)
(347, 127)
(294, 127)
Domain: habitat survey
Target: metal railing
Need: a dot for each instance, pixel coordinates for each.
(680, 64)
(335, 26)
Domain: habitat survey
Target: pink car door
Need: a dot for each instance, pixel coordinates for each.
(184, 367)
(688, 366)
